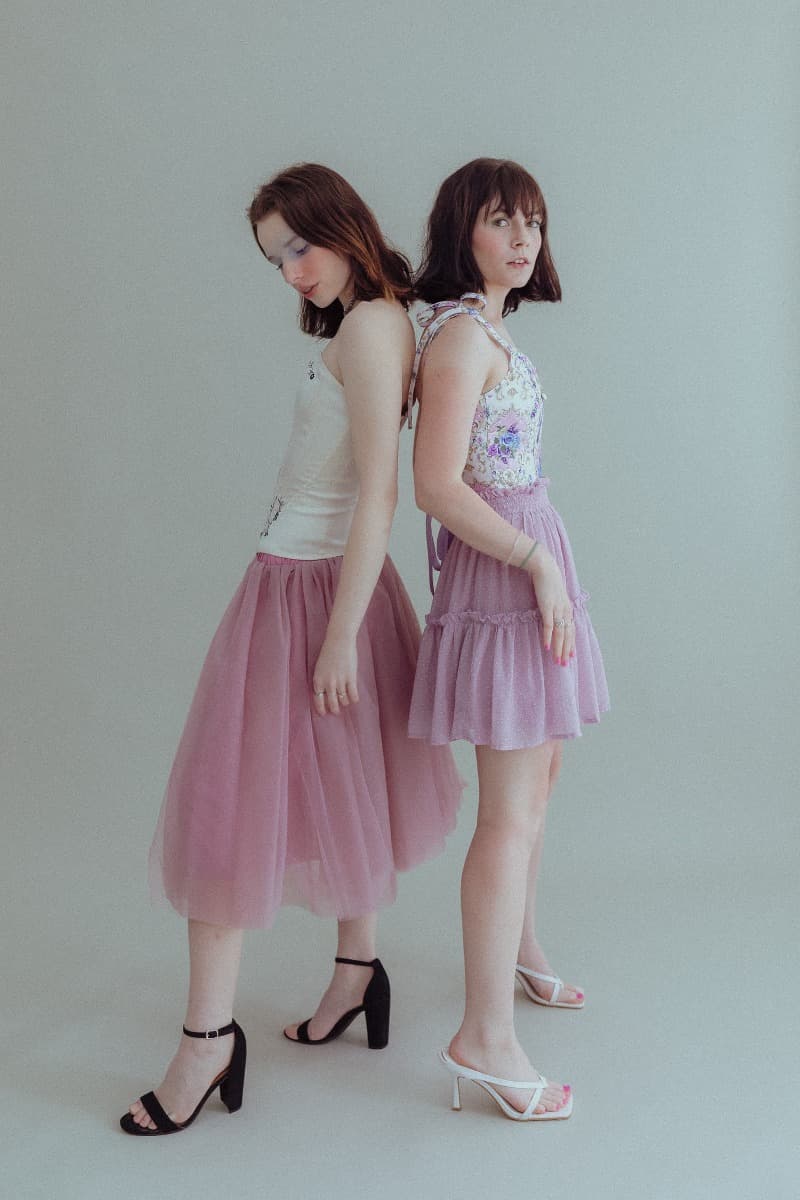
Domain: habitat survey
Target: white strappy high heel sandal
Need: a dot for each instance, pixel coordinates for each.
(490, 1082)
(554, 1002)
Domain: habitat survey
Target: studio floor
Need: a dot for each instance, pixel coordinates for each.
(681, 1062)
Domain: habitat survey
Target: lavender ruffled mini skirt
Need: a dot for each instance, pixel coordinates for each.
(482, 674)
(269, 803)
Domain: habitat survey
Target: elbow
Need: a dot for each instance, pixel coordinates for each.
(426, 495)
(421, 498)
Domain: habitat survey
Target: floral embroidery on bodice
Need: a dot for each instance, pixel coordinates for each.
(506, 436)
(505, 439)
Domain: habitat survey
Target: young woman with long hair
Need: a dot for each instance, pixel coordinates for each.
(295, 780)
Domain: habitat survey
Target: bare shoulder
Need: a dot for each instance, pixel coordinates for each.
(376, 317)
(460, 342)
(378, 326)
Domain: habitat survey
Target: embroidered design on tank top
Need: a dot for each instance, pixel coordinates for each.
(316, 454)
(273, 512)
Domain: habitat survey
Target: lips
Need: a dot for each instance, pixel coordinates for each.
(306, 292)
(519, 262)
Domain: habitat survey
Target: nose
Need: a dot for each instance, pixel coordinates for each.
(291, 272)
(521, 233)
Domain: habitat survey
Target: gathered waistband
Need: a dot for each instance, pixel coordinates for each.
(514, 499)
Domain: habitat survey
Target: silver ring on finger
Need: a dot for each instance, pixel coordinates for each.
(560, 623)
(341, 695)
(322, 693)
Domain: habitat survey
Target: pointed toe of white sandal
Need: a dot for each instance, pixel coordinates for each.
(490, 1082)
(523, 974)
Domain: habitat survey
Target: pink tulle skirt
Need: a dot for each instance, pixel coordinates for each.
(268, 803)
(482, 673)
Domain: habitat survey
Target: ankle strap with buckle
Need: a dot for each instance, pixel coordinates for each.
(356, 962)
(211, 1033)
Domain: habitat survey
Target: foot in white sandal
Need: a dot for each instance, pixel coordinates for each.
(490, 1084)
(558, 990)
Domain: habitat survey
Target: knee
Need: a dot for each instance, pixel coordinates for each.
(515, 832)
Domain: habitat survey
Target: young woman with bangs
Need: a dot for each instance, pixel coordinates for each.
(295, 781)
(509, 660)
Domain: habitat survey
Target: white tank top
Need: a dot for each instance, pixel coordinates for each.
(317, 486)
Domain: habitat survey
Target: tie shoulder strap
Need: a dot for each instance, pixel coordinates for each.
(433, 319)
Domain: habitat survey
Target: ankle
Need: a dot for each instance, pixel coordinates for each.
(529, 952)
(484, 1040)
(198, 1024)
(359, 954)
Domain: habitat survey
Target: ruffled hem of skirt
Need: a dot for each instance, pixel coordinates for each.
(483, 675)
(486, 679)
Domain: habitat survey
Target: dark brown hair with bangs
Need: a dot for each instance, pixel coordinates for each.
(448, 266)
(321, 207)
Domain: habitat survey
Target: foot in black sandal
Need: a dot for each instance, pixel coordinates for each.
(375, 1007)
(230, 1082)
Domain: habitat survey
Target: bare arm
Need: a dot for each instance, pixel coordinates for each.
(457, 369)
(375, 346)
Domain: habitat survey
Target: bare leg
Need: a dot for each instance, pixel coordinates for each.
(214, 955)
(513, 790)
(347, 987)
(530, 952)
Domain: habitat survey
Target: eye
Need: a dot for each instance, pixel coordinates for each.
(535, 223)
(500, 221)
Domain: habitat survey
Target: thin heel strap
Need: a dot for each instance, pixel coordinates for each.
(356, 962)
(211, 1033)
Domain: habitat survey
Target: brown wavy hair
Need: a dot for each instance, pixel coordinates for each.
(321, 207)
(448, 267)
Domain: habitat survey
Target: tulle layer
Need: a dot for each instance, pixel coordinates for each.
(483, 675)
(268, 803)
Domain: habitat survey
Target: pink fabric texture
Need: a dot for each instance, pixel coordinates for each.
(483, 675)
(268, 803)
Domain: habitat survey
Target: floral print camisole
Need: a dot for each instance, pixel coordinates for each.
(506, 434)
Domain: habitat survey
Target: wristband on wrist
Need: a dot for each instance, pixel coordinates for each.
(528, 555)
(513, 549)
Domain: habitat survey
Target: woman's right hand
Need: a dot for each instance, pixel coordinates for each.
(558, 626)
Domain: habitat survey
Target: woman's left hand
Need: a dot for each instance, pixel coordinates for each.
(334, 680)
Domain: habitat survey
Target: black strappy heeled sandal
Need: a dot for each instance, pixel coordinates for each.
(375, 1007)
(230, 1083)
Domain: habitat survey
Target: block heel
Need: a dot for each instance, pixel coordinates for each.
(375, 1007)
(230, 1083)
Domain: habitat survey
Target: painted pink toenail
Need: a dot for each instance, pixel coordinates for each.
(567, 1087)
(579, 995)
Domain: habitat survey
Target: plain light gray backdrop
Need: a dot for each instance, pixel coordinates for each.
(149, 360)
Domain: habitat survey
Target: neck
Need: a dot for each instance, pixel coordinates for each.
(347, 298)
(495, 302)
